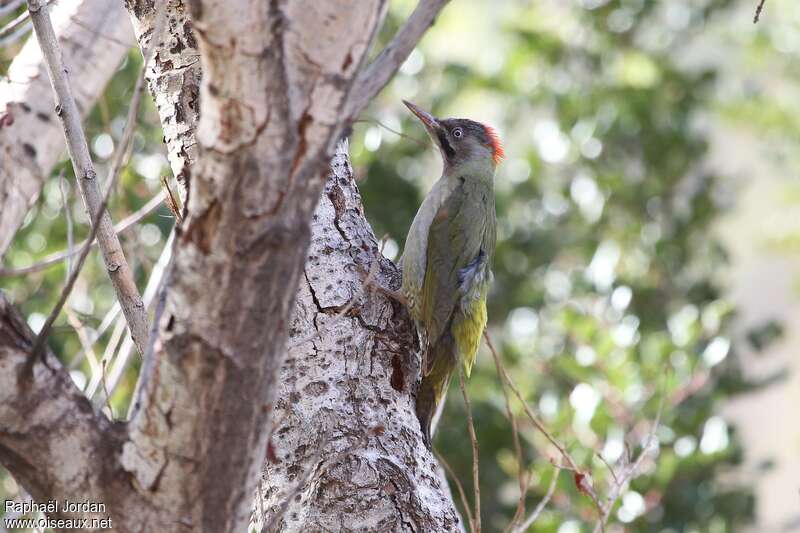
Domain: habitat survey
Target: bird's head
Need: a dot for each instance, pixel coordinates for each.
(461, 141)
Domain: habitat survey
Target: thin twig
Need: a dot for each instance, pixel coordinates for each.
(96, 202)
(111, 346)
(16, 35)
(411, 138)
(83, 337)
(108, 397)
(629, 470)
(92, 30)
(172, 203)
(63, 186)
(585, 487)
(57, 257)
(10, 7)
(531, 415)
(41, 339)
(528, 522)
(610, 468)
(18, 21)
(475, 459)
(378, 73)
(522, 476)
(461, 494)
(759, 9)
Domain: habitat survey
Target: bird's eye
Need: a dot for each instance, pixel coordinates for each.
(457, 133)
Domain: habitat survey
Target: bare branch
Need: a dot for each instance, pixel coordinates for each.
(44, 333)
(522, 476)
(531, 415)
(31, 138)
(759, 9)
(12, 26)
(10, 7)
(66, 108)
(583, 479)
(83, 337)
(377, 74)
(475, 457)
(629, 471)
(411, 138)
(461, 494)
(105, 390)
(47, 420)
(528, 522)
(154, 283)
(16, 34)
(57, 257)
(63, 187)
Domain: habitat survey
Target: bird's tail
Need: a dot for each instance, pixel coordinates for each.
(442, 360)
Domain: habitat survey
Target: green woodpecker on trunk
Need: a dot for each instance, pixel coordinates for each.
(448, 255)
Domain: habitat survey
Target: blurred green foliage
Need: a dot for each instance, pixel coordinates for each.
(607, 295)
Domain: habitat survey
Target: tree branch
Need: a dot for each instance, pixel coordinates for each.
(528, 522)
(47, 423)
(31, 140)
(271, 102)
(476, 485)
(66, 108)
(57, 257)
(629, 470)
(173, 80)
(376, 75)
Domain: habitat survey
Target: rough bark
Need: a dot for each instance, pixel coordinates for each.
(346, 452)
(51, 439)
(377, 74)
(277, 77)
(90, 33)
(271, 102)
(173, 79)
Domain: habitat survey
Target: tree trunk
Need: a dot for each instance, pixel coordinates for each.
(346, 450)
(173, 78)
(275, 94)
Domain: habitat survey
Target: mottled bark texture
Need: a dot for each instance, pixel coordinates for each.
(51, 439)
(173, 78)
(91, 33)
(275, 79)
(346, 452)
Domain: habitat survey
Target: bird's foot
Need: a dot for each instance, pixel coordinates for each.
(368, 278)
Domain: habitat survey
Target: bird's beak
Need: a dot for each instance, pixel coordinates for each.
(430, 122)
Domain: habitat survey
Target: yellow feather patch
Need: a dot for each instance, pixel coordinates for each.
(467, 331)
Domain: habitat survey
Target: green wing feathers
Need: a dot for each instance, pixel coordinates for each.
(453, 242)
(452, 303)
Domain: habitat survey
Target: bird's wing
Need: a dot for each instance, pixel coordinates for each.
(454, 240)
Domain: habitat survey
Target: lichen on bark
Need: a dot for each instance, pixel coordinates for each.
(345, 451)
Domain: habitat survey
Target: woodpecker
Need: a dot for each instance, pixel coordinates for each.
(448, 255)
